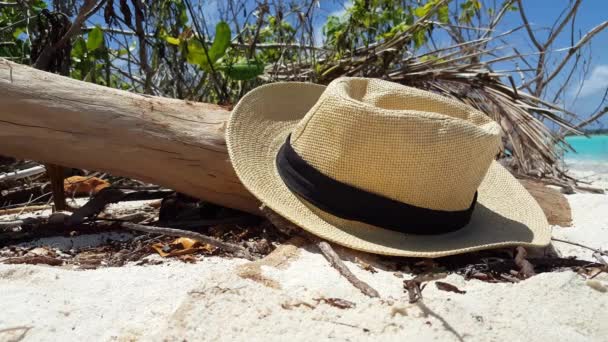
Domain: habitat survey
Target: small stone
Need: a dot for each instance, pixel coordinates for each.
(39, 251)
(59, 217)
(401, 310)
(597, 285)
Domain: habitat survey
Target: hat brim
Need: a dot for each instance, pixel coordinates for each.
(505, 214)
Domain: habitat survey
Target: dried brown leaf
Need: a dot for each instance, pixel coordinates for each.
(448, 287)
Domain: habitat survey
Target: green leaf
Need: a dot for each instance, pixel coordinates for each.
(196, 54)
(419, 38)
(221, 42)
(95, 39)
(196, 50)
(79, 49)
(443, 14)
(422, 11)
(171, 40)
(18, 32)
(243, 71)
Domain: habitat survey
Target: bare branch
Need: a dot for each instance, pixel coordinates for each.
(574, 49)
(527, 25)
(49, 50)
(563, 23)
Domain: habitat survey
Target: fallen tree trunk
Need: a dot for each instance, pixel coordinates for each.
(174, 143)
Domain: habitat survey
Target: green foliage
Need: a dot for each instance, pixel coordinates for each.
(469, 9)
(244, 70)
(206, 57)
(368, 21)
(95, 39)
(14, 25)
(443, 14)
(172, 41)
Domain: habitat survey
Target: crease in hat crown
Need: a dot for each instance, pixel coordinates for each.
(399, 142)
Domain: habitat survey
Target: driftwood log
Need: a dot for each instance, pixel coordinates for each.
(173, 143)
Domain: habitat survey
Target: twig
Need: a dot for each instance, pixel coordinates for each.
(414, 286)
(18, 174)
(96, 205)
(25, 329)
(229, 247)
(599, 251)
(599, 259)
(24, 209)
(10, 224)
(328, 252)
(575, 48)
(414, 291)
(34, 260)
(338, 264)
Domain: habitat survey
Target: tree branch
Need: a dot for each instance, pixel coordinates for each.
(527, 25)
(49, 50)
(561, 26)
(574, 49)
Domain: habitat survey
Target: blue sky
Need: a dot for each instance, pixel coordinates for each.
(541, 13)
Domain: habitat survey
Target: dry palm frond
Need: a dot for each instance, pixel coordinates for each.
(531, 149)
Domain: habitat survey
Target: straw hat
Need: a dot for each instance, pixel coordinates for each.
(382, 168)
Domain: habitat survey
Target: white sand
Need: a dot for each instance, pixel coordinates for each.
(213, 300)
(589, 171)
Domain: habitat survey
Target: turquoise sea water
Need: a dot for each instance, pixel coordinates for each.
(590, 163)
(594, 148)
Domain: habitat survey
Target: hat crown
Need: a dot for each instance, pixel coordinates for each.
(403, 143)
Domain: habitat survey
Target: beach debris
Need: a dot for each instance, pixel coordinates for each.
(598, 256)
(413, 289)
(596, 285)
(336, 302)
(84, 186)
(189, 258)
(91, 259)
(365, 266)
(22, 173)
(328, 252)
(41, 251)
(34, 260)
(398, 309)
(176, 206)
(14, 333)
(181, 247)
(448, 287)
(96, 205)
(594, 250)
(229, 247)
(553, 203)
(526, 269)
(338, 264)
(297, 304)
(414, 286)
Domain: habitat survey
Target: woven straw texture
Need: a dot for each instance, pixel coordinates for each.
(403, 143)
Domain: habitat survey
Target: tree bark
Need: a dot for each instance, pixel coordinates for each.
(173, 143)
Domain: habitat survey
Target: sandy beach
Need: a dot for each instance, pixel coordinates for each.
(289, 295)
(190, 170)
